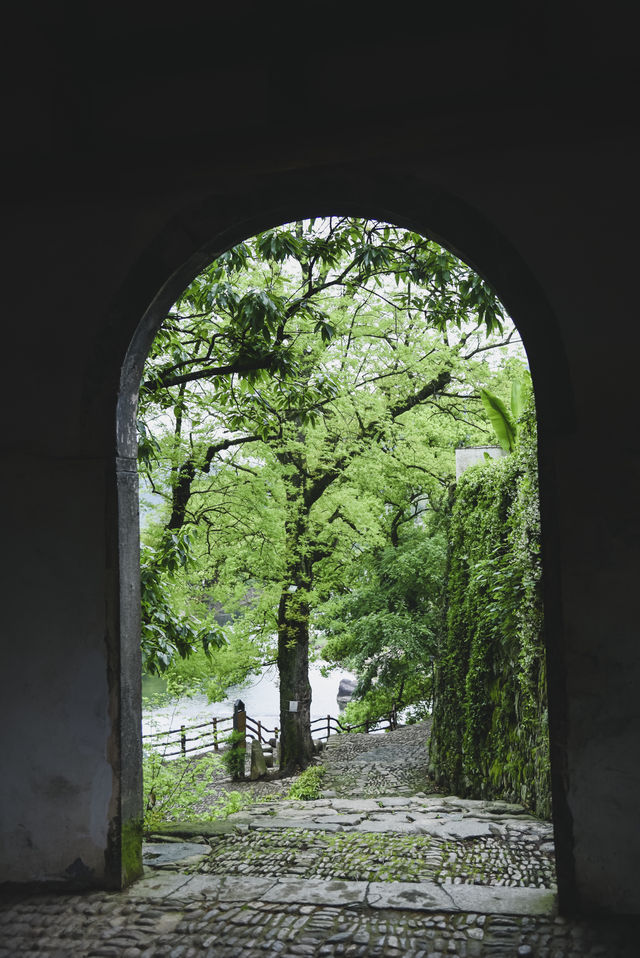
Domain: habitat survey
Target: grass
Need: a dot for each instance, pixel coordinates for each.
(308, 784)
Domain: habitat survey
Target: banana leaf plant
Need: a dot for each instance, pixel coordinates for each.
(505, 422)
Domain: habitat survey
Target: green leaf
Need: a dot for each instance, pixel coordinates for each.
(500, 419)
(517, 400)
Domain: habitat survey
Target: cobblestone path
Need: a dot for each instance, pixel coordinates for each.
(379, 866)
(191, 924)
(415, 839)
(367, 766)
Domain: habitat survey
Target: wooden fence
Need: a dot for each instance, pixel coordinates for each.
(325, 727)
(212, 735)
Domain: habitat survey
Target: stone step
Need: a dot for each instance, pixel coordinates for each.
(405, 896)
(445, 818)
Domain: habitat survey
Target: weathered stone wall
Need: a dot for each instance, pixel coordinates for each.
(131, 158)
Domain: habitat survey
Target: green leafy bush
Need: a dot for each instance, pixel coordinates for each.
(172, 789)
(308, 784)
(376, 702)
(168, 631)
(233, 757)
(386, 625)
(229, 802)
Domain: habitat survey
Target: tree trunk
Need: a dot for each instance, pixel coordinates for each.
(296, 746)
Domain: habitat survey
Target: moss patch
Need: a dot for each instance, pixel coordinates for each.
(131, 851)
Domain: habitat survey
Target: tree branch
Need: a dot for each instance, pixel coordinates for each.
(240, 365)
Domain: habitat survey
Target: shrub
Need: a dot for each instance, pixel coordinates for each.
(233, 757)
(172, 789)
(308, 784)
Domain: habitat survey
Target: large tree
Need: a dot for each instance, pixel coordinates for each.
(295, 398)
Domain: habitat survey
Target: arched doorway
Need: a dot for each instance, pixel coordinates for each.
(186, 245)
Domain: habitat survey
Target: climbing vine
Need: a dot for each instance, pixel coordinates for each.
(490, 729)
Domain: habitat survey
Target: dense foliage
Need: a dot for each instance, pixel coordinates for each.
(387, 625)
(302, 399)
(490, 731)
(169, 627)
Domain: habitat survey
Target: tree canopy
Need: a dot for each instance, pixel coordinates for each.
(298, 417)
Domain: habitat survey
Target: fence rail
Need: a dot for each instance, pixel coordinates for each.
(209, 737)
(209, 740)
(257, 730)
(330, 725)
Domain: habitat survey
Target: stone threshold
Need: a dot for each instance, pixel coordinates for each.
(403, 896)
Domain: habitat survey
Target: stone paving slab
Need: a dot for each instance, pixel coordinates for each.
(317, 892)
(240, 817)
(392, 825)
(360, 806)
(342, 819)
(225, 888)
(392, 807)
(489, 900)
(158, 885)
(390, 817)
(174, 854)
(276, 822)
(165, 885)
(457, 831)
(314, 803)
(414, 896)
(407, 820)
(480, 899)
(419, 896)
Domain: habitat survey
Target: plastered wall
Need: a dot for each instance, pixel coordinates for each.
(103, 227)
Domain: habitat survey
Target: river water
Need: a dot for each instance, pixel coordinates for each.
(260, 697)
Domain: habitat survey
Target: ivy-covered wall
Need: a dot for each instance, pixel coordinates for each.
(490, 727)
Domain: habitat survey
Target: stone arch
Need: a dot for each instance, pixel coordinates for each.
(190, 241)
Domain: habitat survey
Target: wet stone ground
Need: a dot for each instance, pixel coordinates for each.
(379, 857)
(364, 766)
(380, 866)
(138, 925)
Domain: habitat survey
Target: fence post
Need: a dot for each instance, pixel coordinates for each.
(276, 751)
(260, 732)
(215, 734)
(183, 740)
(328, 726)
(240, 726)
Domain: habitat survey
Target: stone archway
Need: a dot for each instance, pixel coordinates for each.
(191, 241)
